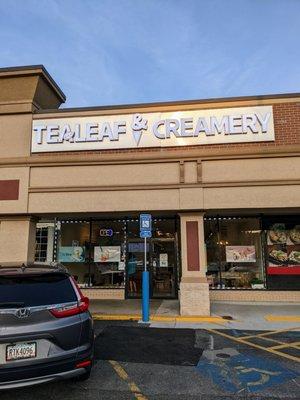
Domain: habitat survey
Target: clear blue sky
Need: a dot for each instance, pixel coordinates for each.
(105, 52)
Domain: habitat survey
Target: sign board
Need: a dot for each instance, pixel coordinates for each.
(107, 254)
(145, 225)
(240, 254)
(106, 232)
(71, 254)
(163, 260)
(159, 129)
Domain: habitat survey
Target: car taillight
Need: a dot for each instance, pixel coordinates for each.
(83, 364)
(68, 311)
(80, 307)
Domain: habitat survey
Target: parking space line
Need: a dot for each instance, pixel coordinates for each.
(294, 345)
(242, 340)
(267, 339)
(124, 376)
(272, 332)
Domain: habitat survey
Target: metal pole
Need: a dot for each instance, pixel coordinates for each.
(145, 254)
(145, 287)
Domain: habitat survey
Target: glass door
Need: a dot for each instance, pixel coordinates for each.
(163, 268)
(162, 259)
(135, 267)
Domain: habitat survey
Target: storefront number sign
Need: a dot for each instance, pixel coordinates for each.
(160, 129)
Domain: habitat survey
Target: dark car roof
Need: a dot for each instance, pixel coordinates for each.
(31, 268)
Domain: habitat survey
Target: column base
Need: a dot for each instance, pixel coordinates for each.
(194, 298)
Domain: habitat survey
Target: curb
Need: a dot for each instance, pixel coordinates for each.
(159, 318)
(282, 318)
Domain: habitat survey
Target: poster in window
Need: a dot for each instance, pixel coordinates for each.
(294, 236)
(283, 250)
(277, 234)
(163, 260)
(71, 254)
(107, 254)
(240, 254)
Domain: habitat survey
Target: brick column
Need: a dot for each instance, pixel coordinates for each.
(17, 239)
(194, 289)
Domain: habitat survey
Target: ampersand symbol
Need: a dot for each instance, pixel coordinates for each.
(139, 123)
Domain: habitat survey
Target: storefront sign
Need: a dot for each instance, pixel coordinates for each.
(240, 254)
(160, 129)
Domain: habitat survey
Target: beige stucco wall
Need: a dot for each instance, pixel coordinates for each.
(252, 197)
(104, 201)
(17, 239)
(226, 184)
(15, 135)
(20, 205)
(257, 169)
(105, 175)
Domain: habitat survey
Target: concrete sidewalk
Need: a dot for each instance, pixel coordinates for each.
(227, 315)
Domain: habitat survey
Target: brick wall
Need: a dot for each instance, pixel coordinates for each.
(287, 132)
(283, 296)
(104, 294)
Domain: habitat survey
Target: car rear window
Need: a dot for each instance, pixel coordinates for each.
(35, 290)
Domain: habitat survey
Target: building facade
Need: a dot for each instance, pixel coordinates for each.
(220, 177)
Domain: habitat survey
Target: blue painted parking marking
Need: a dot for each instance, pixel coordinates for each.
(242, 372)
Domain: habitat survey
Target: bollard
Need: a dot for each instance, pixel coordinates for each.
(145, 298)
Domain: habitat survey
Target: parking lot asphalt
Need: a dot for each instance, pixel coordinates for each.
(138, 362)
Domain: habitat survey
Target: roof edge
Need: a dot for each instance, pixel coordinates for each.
(175, 103)
(38, 69)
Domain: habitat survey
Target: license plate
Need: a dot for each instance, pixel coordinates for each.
(20, 351)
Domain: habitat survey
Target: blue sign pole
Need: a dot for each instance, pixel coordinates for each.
(145, 231)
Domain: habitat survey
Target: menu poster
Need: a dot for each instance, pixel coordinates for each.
(71, 254)
(283, 250)
(163, 259)
(240, 254)
(107, 254)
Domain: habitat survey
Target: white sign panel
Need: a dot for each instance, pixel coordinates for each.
(107, 254)
(163, 260)
(240, 254)
(160, 129)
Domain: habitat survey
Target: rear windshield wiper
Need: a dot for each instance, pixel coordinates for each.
(11, 304)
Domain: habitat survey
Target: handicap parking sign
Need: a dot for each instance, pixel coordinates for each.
(145, 225)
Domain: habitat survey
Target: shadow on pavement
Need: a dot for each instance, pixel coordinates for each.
(144, 345)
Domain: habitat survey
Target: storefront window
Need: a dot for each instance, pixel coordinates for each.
(73, 248)
(282, 251)
(108, 253)
(162, 258)
(44, 241)
(234, 253)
